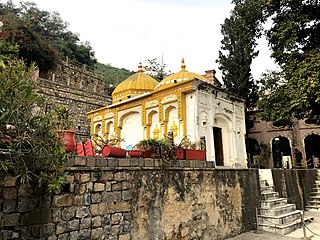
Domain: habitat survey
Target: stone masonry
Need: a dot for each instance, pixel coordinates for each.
(132, 199)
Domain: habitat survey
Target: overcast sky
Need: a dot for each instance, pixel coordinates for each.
(125, 32)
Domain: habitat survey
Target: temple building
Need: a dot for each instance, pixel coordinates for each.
(185, 103)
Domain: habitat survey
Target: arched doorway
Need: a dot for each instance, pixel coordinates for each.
(281, 151)
(312, 148)
(253, 150)
(132, 130)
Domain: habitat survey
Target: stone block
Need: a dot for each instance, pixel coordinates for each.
(10, 220)
(175, 163)
(85, 223)
(99, 187)
(9, 206)
(97, 233)
(141, 162)
(108, 197)
(108, 186)
(192, 163)
(91, 161)
(127, 217)
(125, 237)
(134, 162)
(47, 230)
(124, 162)
(9, 193)
(200, 164)
(126, 185)
(101, 162)
(116, 186)
(157, 162)
(94, 209)
(96, 198)
(24, 190)
(86, 199)
(126, 228)
(61, 228)
(210, 164)
(102, 208)
(106, 176)
(186, 163)
(85, 177)
(74, 235)
(64, 236)
(68, 213)
(120, 176)
(115, 229)
(96, 222)
(116, 218)
(70, 162)
(82, 188)
(85, 234)
(112, 162)
(126, 195)
(148, 162)
(89, 187)
(9, 181)
(73, 225)
(69, 179)
(64, 200)
(53, 237)
(35, 230)
(80, 161)
(56, 215)
(118, 207)
(78, 200)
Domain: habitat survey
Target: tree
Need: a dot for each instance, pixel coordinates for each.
(295, 42)
(42, 36)
(156, 68)
(30, 149)
(240, 32)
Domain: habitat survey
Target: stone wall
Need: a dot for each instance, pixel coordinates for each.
(294, 184)
(78, 89)
(133, 199)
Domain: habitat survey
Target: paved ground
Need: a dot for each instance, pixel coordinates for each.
(298, 234)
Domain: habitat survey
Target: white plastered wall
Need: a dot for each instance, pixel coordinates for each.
(191, 115)
(132, 130)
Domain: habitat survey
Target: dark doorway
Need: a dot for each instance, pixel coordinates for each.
(253, 149)
(218, 147)
(312, 148)
(280, 147)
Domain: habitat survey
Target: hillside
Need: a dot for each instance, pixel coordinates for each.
(112, 74)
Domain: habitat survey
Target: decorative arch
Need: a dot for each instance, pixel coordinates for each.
(312, 149)
(280, 149)
(171, 120)
(109, 129)
(131, 129)
(152, 125)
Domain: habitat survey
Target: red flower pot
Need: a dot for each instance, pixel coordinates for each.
(192, 154)
(179, 154)
(109, 151)
(68, 138)
(138, 153)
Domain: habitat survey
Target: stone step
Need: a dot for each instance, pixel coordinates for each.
(286, 228)
(313, 203)
(269, 195)
(273, 202)
(315, 190)
(278, 210)
(282, 219)
(312, 207)
(263, 183)
(264, 189)
(315, 197)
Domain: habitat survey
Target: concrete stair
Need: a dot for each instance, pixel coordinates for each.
(276, 214)
(313, 203)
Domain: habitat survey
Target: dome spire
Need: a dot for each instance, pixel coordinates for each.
(183, 66)
(140, 67)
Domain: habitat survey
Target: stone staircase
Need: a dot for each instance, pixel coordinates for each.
(276, 214)
(314, 197)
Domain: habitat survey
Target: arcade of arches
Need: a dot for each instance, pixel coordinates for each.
(271, 146)
(185, 103)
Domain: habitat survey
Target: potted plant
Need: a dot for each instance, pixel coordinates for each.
(64, 124)
(110, 150)
(192, 150)
(155, 148)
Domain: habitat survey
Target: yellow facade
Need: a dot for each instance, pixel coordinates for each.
(160, 105)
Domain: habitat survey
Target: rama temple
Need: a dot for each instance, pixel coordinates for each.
(185, 103)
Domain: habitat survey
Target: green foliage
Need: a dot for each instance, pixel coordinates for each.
(240, 32)
(156, 68)
(294, 40)
(112, 75)
(62, 117)
(42, 37)
(161, 148)
(30, 149)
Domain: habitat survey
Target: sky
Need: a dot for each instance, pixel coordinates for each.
(126, 32)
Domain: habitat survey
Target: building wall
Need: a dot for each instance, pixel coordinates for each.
(133, 199)
(78, 89)
(264, 132)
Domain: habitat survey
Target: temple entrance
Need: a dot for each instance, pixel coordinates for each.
(218, 146)
(281, 152)
(312, 148)
(253, 150)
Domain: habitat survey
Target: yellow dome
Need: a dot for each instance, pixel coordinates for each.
(134, 85)
(179, 77)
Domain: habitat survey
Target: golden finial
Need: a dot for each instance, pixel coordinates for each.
(183, 66)
(140, 67)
